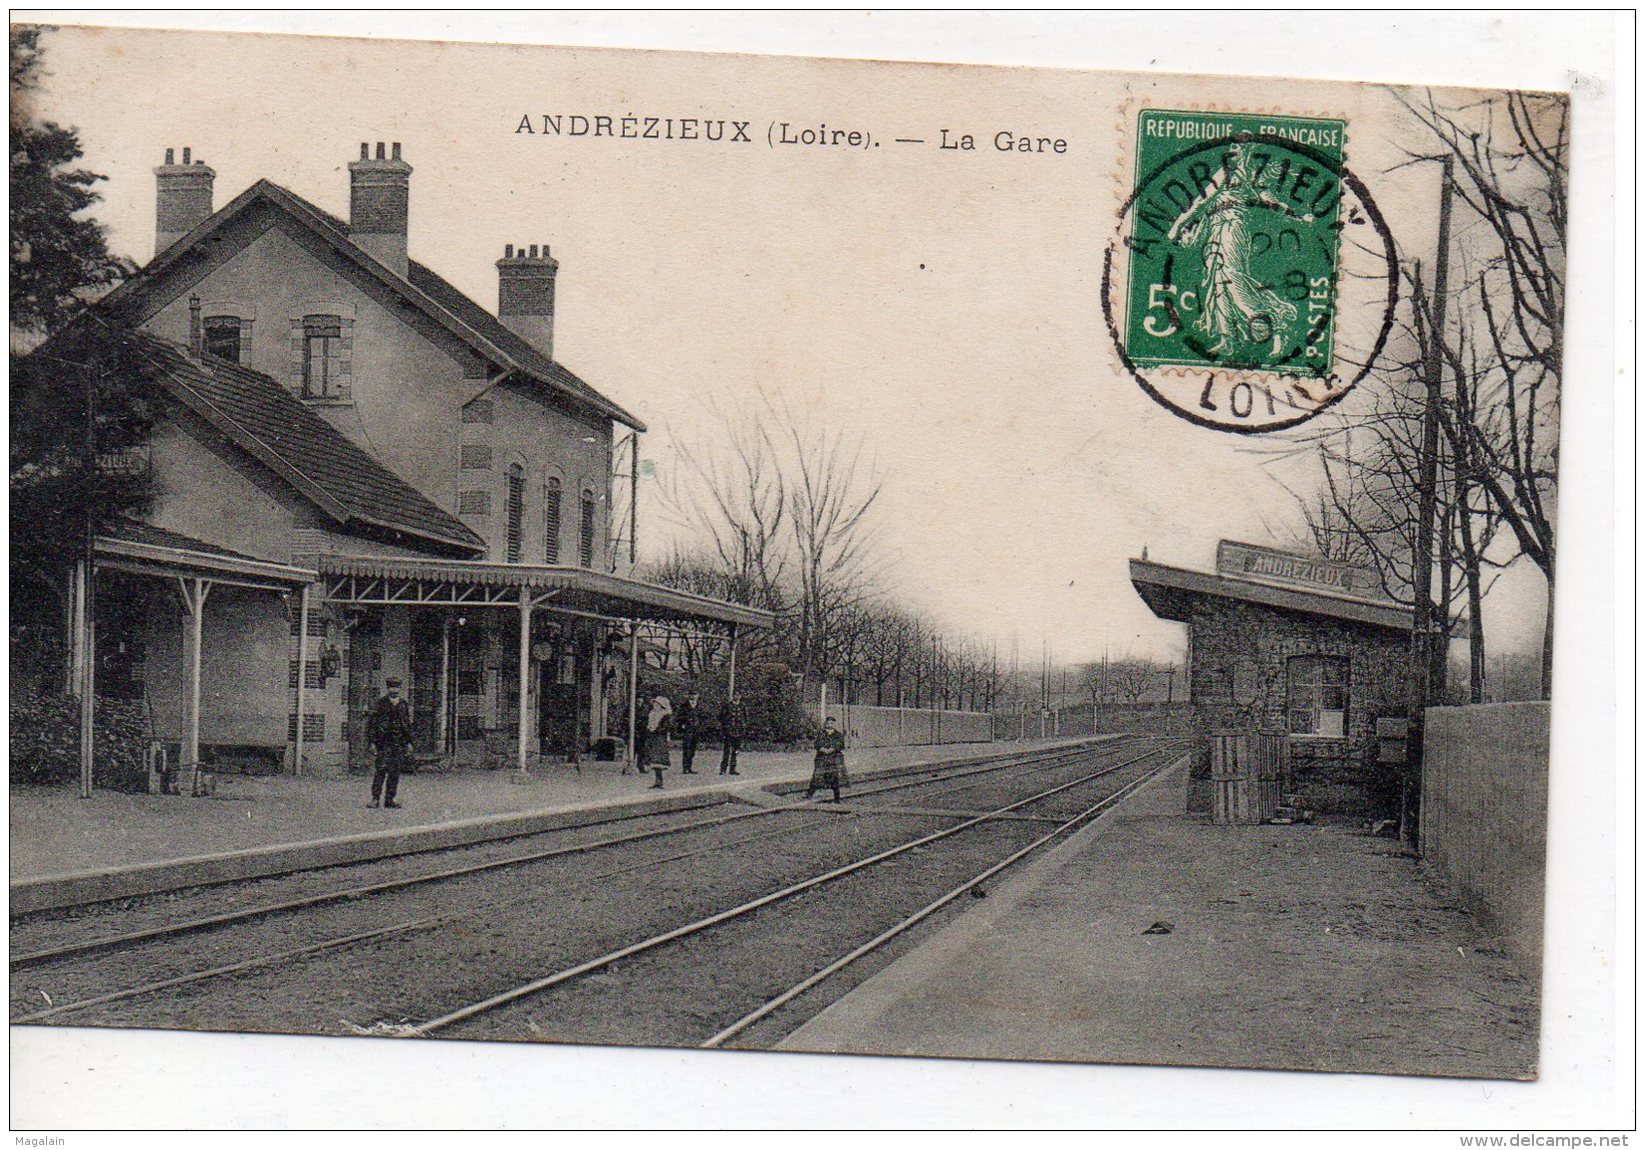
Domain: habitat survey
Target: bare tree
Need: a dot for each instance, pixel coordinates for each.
(1508, 154)
(735, 502)
(831, 489)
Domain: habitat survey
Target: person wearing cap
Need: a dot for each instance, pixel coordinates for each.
(687, 721)
(733, 725)
(389, 731)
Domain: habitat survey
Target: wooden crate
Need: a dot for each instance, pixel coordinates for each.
(1248, 774)
(1234, 802)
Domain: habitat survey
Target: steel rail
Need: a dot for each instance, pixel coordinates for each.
(247, 914)
(426, 922)
(538, 985)
(773, 1005)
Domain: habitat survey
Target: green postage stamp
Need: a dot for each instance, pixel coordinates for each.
(1252, 280)
(1234, 241)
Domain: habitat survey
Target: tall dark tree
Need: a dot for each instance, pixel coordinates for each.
(59, 257)
(82, 402)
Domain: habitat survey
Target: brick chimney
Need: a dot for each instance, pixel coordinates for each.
(182, 198)
(525, 295)
(379, 202)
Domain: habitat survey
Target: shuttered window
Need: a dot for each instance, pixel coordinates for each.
(311, 674)
(314, 728)
(551, 521)
(516, 512)
(585, 541)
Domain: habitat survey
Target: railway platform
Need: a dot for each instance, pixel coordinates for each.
(1150, 937)
(66, 850)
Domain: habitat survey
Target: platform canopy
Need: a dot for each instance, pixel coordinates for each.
(143, 549)
(392, 582)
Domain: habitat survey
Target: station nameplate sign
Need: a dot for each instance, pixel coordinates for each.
(1306, 572)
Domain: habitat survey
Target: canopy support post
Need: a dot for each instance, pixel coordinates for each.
(731, 677)
(633, 688)
(194, 591)
(85, 647)
(302, 681)
(525, 678)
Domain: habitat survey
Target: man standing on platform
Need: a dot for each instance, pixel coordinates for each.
(389, 731)
(687, 722)
(733, 725)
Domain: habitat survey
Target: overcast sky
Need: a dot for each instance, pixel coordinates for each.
(943, 304)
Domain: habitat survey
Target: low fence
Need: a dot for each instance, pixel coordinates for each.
(908, 727)
(1485, 813)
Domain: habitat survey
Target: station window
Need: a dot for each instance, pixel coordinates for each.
(1317, 695)
(322, 357)
(585, 542)
(551, 521)
(516, 512)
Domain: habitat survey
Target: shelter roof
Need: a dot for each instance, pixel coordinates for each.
(1172, 593)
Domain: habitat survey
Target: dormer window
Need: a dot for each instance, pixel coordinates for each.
(322, 357)
(222, 337)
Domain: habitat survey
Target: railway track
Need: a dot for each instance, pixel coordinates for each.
(944, 782)
(451, 1020)
(24, 959)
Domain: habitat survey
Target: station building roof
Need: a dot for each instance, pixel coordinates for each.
(1172, 593)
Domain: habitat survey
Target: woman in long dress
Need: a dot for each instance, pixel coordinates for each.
(1233, 305)
(829, 769)
(654, 752)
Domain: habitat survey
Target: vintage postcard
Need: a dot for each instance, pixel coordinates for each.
(570, 546)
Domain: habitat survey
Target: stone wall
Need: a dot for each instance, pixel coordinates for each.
(909, 726)
(1237, 679)
(1485, 815)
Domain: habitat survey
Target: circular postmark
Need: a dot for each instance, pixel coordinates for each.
(1252, 281)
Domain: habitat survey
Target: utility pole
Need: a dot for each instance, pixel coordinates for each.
(1422, 573)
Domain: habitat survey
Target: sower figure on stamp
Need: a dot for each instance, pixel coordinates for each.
(658, 722)
(829, 770)
(389, 731)
(1234, 304)
(686, 721)
(733, 725)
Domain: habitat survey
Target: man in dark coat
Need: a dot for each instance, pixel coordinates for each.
(389, 730)
(733, 726)
(686, 722)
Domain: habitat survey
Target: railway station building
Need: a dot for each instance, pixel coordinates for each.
(1296, 644)
(360, 473)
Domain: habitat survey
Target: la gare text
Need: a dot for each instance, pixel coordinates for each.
(778, 134)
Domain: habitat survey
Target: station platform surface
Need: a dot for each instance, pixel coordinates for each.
(1279, 947)
(266, 824)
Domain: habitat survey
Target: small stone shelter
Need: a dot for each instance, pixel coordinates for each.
(1293, 643)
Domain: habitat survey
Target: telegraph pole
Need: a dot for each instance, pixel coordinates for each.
(1423, 611)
